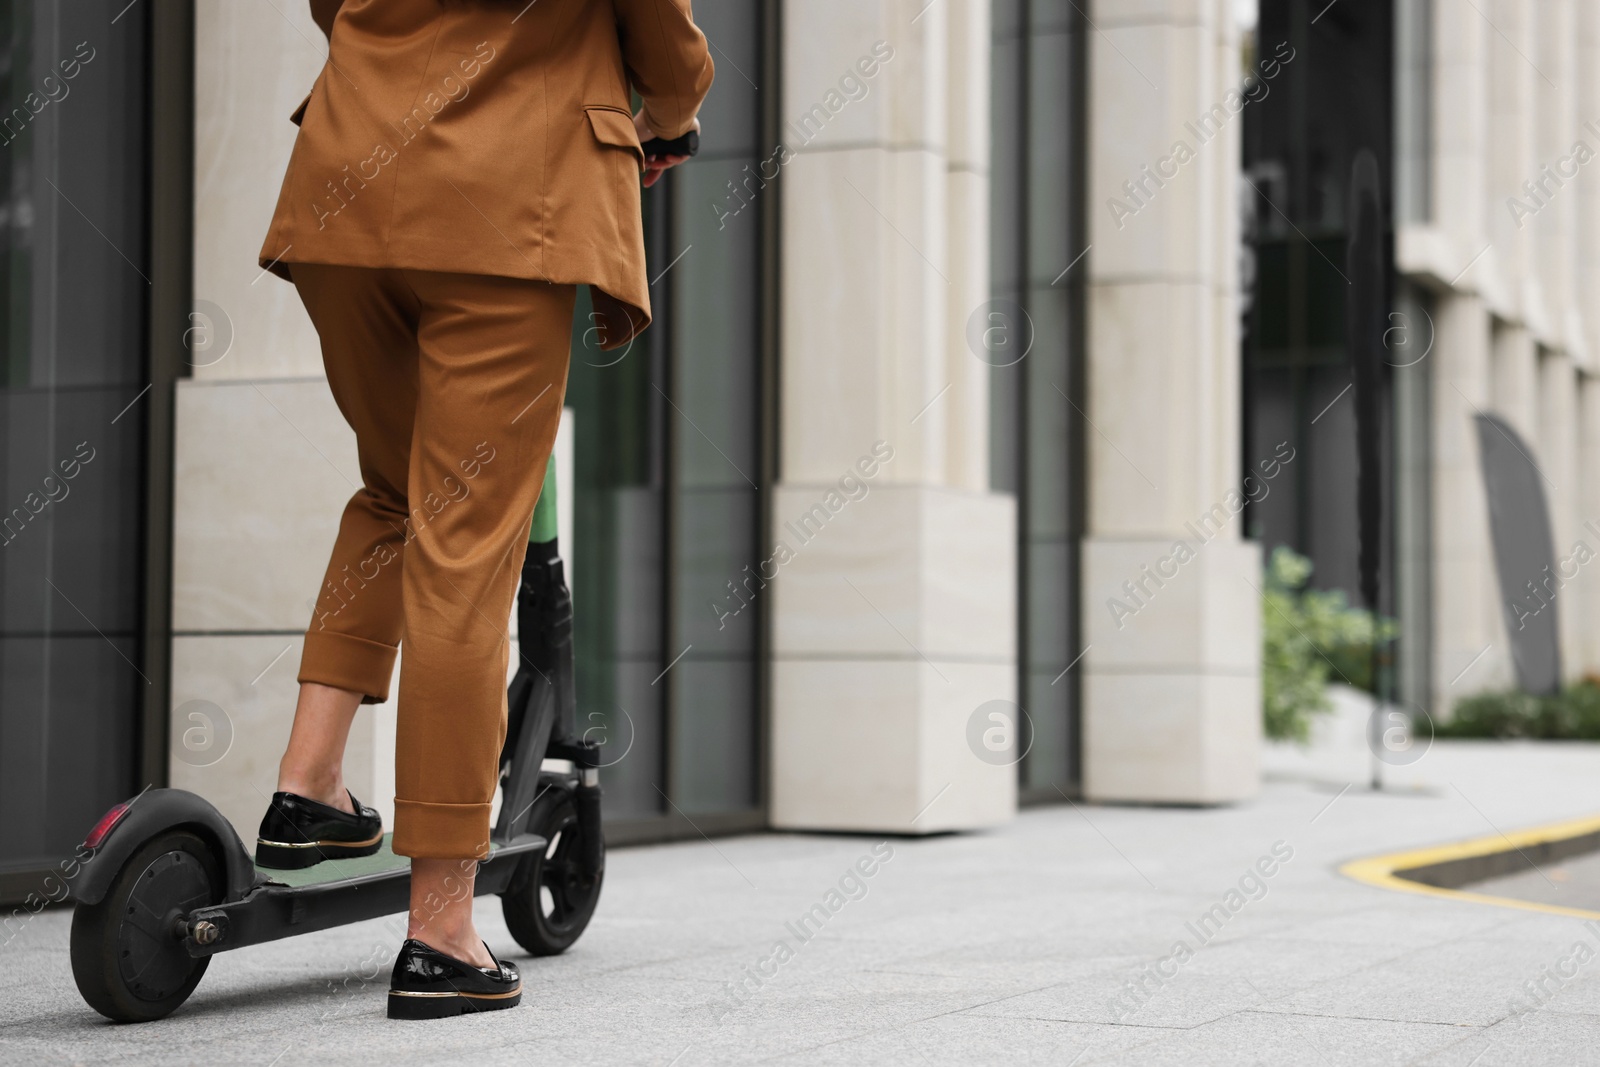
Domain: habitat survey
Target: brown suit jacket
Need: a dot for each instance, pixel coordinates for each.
(489, 137)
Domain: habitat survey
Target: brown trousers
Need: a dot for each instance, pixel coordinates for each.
(453, 384)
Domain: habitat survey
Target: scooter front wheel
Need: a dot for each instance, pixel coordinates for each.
(128, 955)
(551, 900)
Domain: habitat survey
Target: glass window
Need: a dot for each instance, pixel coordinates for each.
(73, 410)
(1413, 161)
(1334, 95)
(1332, 99)
(670, 470)
(1036, 233)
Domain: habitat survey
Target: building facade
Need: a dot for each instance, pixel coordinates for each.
(1483, 124)
(928, 495)
(1497, 241)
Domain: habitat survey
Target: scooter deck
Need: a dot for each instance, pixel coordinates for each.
(339, 870)
(333, 893)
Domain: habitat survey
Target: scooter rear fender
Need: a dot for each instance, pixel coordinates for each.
(151, 813)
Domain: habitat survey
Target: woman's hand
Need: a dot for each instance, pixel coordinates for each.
(655, 166)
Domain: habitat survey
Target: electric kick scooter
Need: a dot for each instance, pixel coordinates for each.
(164, 882)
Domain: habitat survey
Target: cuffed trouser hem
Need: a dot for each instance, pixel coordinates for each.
(345, 661)
(424, 830)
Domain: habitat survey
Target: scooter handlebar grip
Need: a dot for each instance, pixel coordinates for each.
(687, 145)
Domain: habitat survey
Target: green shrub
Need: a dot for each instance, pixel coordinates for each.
(1309, 637)
(1572, 714)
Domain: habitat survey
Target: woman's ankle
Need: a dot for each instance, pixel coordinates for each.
(322, 786)
(441, 909)
(459, 940)
(467, 947)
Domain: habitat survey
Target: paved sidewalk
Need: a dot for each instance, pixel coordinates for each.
(1017, 946)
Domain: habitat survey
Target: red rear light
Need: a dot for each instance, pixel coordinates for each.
(107, 821)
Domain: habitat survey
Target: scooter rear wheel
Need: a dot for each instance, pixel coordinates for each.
(551, 902)
(127, 951)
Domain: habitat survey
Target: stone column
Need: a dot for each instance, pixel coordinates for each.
(1460, 115)
(1559, 126)
(1510, 158)
(1585, 77)
(1472, 174)
(1558, 459)
(893, 613)
(1470, 649)
(1514, 375)
(1171, 691)
(1555, 125)
(1588, 497)
(1586, 234)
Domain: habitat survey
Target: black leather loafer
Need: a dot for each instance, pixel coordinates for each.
(297, 832)
(427, 984)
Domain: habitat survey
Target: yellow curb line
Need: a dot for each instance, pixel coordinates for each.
(1380, 871)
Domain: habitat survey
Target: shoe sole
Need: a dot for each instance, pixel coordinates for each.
(404, 1005)
(283, 857)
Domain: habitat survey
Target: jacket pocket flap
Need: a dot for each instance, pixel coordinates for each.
(614, 127)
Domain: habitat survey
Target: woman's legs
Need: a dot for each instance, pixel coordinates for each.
(313, 767)
(367, 321)
(492, 372)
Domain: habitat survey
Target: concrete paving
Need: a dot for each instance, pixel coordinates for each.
(1075, 935)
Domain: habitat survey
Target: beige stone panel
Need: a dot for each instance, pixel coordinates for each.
(903, 572)
(1204, 617)
(1558, 459)
(1470, 649)
(918, 289)
(1223, 393)
(1514, 365)
(1513, 128)
(263, 471)
(969, 573)
(967, 95)
(912, 112)
(1148, 89)
(253, 65)
(1491, 276)
(1554, 125)
(1171, 737)
(835, 325)
(1151, 444)
(881, 745)
(854, 581)
(1122, 13)
(1460, 113)
(967, 225)
(823, 42)
(867, 359)
(965, 440)
(1587, 233)
(979, 793)
(244, 685)
(1588, 489)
